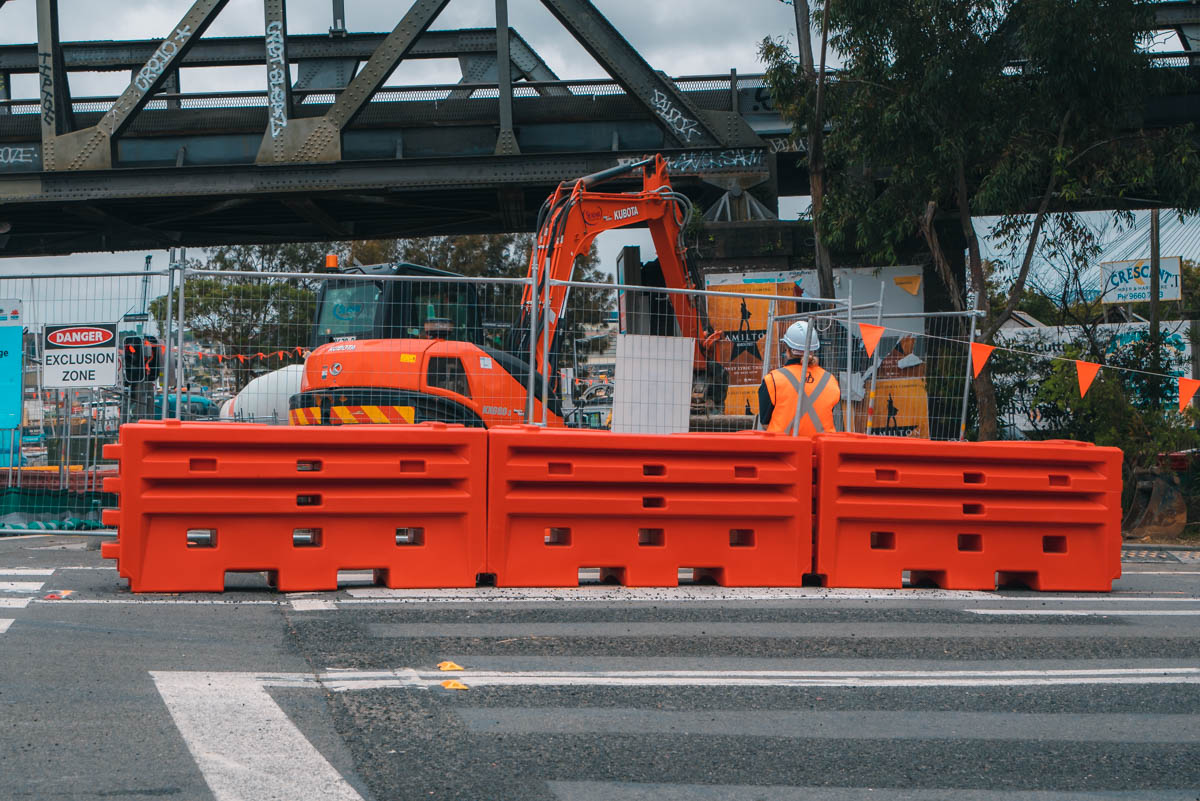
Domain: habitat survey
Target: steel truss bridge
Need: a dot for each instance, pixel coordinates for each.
(338, 154)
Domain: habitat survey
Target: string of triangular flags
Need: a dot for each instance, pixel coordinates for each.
(1085, 371)
(287, 353)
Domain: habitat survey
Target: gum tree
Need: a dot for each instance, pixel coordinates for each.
(946, 110)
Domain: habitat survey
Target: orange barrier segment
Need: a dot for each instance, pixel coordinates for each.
(198, 500)
(736, 508)
(967, 515)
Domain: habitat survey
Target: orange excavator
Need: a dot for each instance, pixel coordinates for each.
(432, 372)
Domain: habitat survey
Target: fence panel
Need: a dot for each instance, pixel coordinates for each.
(73, 395)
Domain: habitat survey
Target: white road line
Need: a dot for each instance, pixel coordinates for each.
(14, 603)
(27, 571)
(1164, 572)
(313, 605)
(665, 594)
(244, 744)
(21, 586)
(644, 791)
(158, 602)
(858, 725)
(5, 622)
(657, 594)
(343, 681)
(1086, 612)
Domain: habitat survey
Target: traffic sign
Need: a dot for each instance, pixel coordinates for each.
(81, 355)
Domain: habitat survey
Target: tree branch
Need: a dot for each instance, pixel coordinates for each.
(1015, 291)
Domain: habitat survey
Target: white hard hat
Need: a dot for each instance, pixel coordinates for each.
(796, 334)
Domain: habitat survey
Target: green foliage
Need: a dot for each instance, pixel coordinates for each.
(1123, 408)
(489, 255)
(953, 109)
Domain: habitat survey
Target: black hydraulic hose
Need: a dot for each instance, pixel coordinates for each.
(588, 181)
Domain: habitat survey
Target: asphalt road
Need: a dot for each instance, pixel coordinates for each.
(595, 694)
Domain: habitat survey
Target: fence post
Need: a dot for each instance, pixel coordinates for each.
(68, 407)
(13, 435)
(848, 425)
(962, 421)
(875, 361)
(533, 321)
(768, 354)
(179, 365)
(167, 337)
(546, 312)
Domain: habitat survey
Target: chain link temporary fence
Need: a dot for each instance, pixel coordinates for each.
(403, 343)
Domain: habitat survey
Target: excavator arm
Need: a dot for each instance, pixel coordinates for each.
(574, 216)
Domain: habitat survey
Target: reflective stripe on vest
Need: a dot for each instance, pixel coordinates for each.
(808, 410)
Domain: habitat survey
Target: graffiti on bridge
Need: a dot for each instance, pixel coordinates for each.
(18, 156)
(711, 160)
(277, 73)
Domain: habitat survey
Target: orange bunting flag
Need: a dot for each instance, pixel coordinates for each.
(299, 351)
(260, 355)
(1187, 388)
(241, 358)
(280, 354)
(980, 353)
(220, 359)
(870, 336)
(1087, 374)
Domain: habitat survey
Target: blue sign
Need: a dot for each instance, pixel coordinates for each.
(10, 376)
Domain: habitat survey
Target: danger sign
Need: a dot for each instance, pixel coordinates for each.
(83, 355)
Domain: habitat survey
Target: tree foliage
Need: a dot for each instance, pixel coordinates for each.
(954, 109)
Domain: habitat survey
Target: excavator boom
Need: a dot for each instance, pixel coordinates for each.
(574, 216)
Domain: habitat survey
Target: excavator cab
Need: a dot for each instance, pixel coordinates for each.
(350, 309)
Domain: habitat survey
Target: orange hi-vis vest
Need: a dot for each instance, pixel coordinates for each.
(783, 385)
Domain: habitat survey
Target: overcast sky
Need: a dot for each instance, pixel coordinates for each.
(684, 37)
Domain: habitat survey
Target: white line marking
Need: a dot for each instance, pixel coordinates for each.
(379, 595)
(858, 725)
(26, 571)
(608, 595)
(313, 605)
(1085, 612)
(343, 681)
(5, 622)
(14, 603)
(158, 601)
(243, 743)
(20, 586)
(592, 790)
(1164, 572)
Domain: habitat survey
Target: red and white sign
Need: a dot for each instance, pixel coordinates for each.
(80, 336)
(81, 355)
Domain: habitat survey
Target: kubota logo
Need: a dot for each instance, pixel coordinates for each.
(591, 216)
(83, 336)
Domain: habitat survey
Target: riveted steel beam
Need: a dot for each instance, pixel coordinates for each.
(279, 76)
(683, 122)
(319, 139)
(506, 141)
(232, 51)
(92, 148)
(53, 90)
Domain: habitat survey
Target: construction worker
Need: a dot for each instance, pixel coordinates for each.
(779, 393)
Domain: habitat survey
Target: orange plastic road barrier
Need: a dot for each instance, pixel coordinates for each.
(968, 516)
(736, 508)
(198, 500)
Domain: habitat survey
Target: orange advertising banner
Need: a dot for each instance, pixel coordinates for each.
(744, 321)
